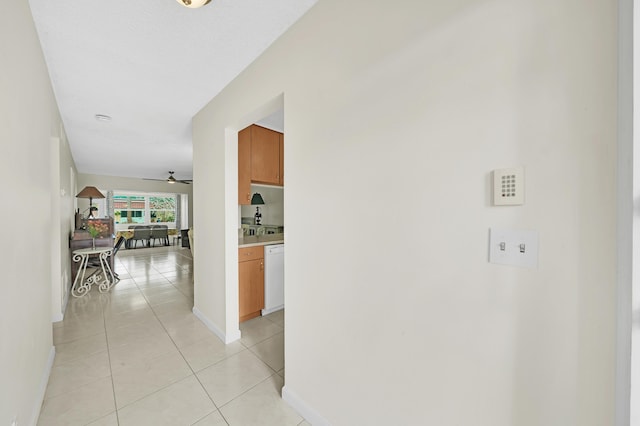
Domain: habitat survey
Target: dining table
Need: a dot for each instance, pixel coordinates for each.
(128, 234)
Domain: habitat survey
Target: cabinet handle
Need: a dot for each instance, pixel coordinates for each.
(261, 266)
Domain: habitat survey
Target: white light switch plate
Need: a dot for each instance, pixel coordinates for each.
(517, 248)
(508, 187)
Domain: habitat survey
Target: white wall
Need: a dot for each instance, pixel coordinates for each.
(132, 184)
(29, 125)
(412, 104)
(629, 305)
(62, 215)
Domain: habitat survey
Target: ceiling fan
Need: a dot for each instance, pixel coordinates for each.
(171, 179)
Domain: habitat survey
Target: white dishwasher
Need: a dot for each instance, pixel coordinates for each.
(273, 278)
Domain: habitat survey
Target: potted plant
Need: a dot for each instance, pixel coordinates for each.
(96, 229)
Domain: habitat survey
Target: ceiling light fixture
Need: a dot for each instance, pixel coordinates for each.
(192, 4)
(102, 117)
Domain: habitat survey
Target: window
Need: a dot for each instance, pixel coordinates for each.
(129, 209)
(137, 209)
(162, 209)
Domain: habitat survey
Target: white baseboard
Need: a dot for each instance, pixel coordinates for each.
(59, 316)
(304, 409)
(211, 326)
(272, 310)
(44, 380)
(65, 302)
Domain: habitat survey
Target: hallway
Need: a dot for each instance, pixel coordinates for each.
(138, 356)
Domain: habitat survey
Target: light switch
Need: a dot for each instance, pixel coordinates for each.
(510, 247)
(508, 187)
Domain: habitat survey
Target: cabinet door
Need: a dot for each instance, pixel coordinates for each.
(281, 159)
(265, 155)
(251, 288)
(244, 166)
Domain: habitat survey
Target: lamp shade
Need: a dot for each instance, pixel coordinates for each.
(192, 4)
(90, 192)
(256, 199)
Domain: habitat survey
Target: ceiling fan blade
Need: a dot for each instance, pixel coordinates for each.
(171, 179)
(165, 180)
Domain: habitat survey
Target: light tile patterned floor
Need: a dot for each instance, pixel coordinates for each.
(138, 356)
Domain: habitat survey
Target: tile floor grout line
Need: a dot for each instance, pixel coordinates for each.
(113, 386)
(103, 325)
(261, 360)
(258, 356)
(207, 415)
(153, 393)
(196, 375)
(223, 417)
(173, 285)
(181, 354)
(206, 393)
(79, 338)
(260, 341)
(187, 362)
(251, 388)
(137, 281)
(220, 360)
(170, 384)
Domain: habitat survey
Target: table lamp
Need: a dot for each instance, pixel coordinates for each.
(90, 192)
(257, 200)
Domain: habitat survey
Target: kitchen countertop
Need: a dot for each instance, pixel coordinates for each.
(260, 240)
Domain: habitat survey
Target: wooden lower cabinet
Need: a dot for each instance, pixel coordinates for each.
(251, 282)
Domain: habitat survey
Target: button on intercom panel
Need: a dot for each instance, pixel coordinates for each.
(508, 187)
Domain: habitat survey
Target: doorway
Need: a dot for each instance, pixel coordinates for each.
(260, 222)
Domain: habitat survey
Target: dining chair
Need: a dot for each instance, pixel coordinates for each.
(160, 232)
(141, 233)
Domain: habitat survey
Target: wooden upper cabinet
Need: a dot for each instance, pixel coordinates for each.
(260, 159)
(265, 155)
(244, 166)
(281, 159)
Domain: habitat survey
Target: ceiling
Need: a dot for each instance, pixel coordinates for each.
(149, 65)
